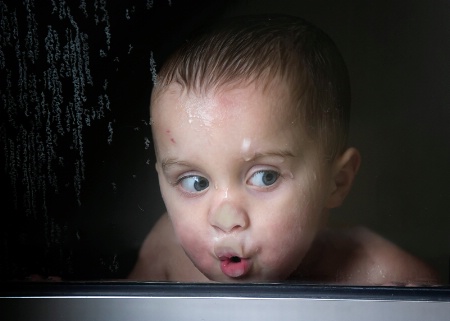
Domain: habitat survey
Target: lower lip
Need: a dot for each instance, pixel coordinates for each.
(235, 269)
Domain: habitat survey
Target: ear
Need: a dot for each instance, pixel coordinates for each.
(344, 170)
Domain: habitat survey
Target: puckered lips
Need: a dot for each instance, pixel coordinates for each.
(234, 266)
(234, 262)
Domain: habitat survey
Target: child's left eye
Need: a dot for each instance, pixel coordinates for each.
(264, 178)
(194, 183)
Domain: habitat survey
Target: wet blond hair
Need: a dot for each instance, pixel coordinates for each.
(267, 48)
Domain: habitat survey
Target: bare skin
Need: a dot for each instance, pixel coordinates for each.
(354, 256)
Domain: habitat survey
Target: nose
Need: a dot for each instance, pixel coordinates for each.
(228, 218)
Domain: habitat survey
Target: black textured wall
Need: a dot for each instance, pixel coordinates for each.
(80, 191)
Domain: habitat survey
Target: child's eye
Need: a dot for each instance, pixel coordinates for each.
(194, 183)
(264, 178)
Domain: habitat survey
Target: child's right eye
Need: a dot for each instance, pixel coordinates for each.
(194, 183)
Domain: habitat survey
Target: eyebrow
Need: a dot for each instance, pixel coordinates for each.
(168, 162)
(281, 153)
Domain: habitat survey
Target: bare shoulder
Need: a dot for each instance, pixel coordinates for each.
(390, 264)
(161, 258)
(359, 256)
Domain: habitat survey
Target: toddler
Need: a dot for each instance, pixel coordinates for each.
(250, 123)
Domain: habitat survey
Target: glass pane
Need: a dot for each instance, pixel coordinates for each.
(80, 190)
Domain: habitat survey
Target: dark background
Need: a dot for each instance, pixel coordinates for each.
(80, 190)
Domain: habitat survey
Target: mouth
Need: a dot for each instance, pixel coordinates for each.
(234, 266)
(235, 259)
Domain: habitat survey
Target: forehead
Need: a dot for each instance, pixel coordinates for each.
(231, 119)
(226, 100)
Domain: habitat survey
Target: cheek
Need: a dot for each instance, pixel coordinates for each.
(295, 208)
(286, 247)
(290, 232)
(196, 247)
(189, 241)
(290, 227)
(189, 230)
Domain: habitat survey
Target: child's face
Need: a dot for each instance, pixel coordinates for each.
(244, 186)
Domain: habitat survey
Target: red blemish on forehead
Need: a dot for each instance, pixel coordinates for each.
(171, 138)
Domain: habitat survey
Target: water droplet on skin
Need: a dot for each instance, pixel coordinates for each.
(245, 147)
